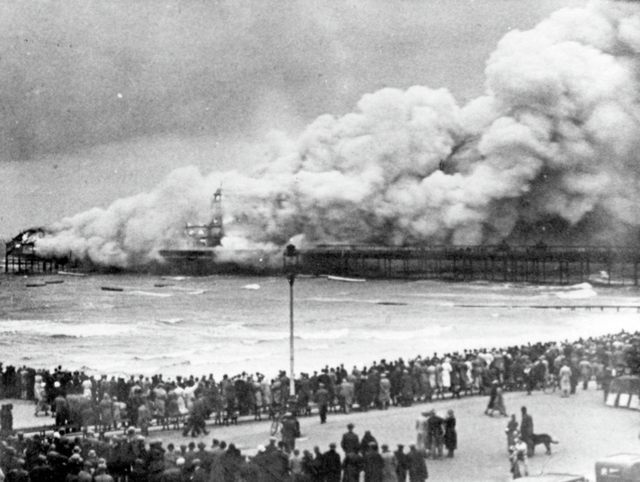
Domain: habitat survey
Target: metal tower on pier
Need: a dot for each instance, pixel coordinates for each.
(210, 234)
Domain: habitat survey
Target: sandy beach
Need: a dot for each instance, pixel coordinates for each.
(585, 427)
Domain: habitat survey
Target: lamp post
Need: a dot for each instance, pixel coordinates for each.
(290, 266)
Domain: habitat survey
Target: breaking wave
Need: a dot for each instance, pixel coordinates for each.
(64, 330)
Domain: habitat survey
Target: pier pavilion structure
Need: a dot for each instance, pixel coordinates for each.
(21, 256)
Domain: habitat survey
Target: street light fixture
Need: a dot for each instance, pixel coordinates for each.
(290, 269)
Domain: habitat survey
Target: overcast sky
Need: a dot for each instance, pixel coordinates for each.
(101, 99)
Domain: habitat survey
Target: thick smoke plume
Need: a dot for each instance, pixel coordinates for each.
(550, 152)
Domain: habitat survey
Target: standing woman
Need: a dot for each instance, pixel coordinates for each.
(565, 379)
(450, 434)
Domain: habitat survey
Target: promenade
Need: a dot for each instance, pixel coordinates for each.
(586, 428)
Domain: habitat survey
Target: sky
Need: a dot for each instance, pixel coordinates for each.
(102, 100)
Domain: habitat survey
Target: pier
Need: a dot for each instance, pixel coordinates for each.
(539, 264)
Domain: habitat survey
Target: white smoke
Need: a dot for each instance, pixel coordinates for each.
(554, 140)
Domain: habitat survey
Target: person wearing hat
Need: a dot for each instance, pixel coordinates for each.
(18, 472)
(511, 431)
(350, 441)
(322, 400)
(101, 474)
(367, 441)
(272, 447)
(352, 466)
(205, 456)
(106, 413)
(199, 473)
(402, 464)
(390, 464)
(332, 464)
(40, 392)
(450, 433)
(373, 464)
(417, 464)
(290, 430)
(518, 458)
(155, 458)
(61, 408)
(526, 430)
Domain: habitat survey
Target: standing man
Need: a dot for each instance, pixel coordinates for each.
(322, 399)
(373, 464)
(350, 441)
(417, 465)
(332, 464)
(526, 430)
(290, 430)
(403, 464)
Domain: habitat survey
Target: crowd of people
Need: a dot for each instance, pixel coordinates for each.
(61, 458)
(78, 401)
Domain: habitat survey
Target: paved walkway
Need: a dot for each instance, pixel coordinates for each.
(586, 428)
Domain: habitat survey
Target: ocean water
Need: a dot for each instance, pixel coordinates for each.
(226, 324)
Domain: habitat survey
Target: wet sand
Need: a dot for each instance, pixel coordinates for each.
(586, 428)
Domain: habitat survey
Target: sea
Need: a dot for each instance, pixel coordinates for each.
(119, 325)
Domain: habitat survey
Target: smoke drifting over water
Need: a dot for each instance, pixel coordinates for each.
(550, 151)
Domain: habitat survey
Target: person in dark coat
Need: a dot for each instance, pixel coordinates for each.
(417, 464)
(367, 440)
(352, 465)
(350, 441)
(289, 431)
(435, 435)
(403, 464)
(492, 398)
(332, 464)
(228, 464)
(315, 466)
(276, 466)
(42, 472)
(450, 434)
(322, 399)
(373, 464)
(18, 473)
(526, 430)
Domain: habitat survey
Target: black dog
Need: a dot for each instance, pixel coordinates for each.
(543, 439)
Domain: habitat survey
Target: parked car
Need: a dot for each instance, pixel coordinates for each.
(618, 468)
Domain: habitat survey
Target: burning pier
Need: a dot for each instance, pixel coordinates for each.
(21, 256)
